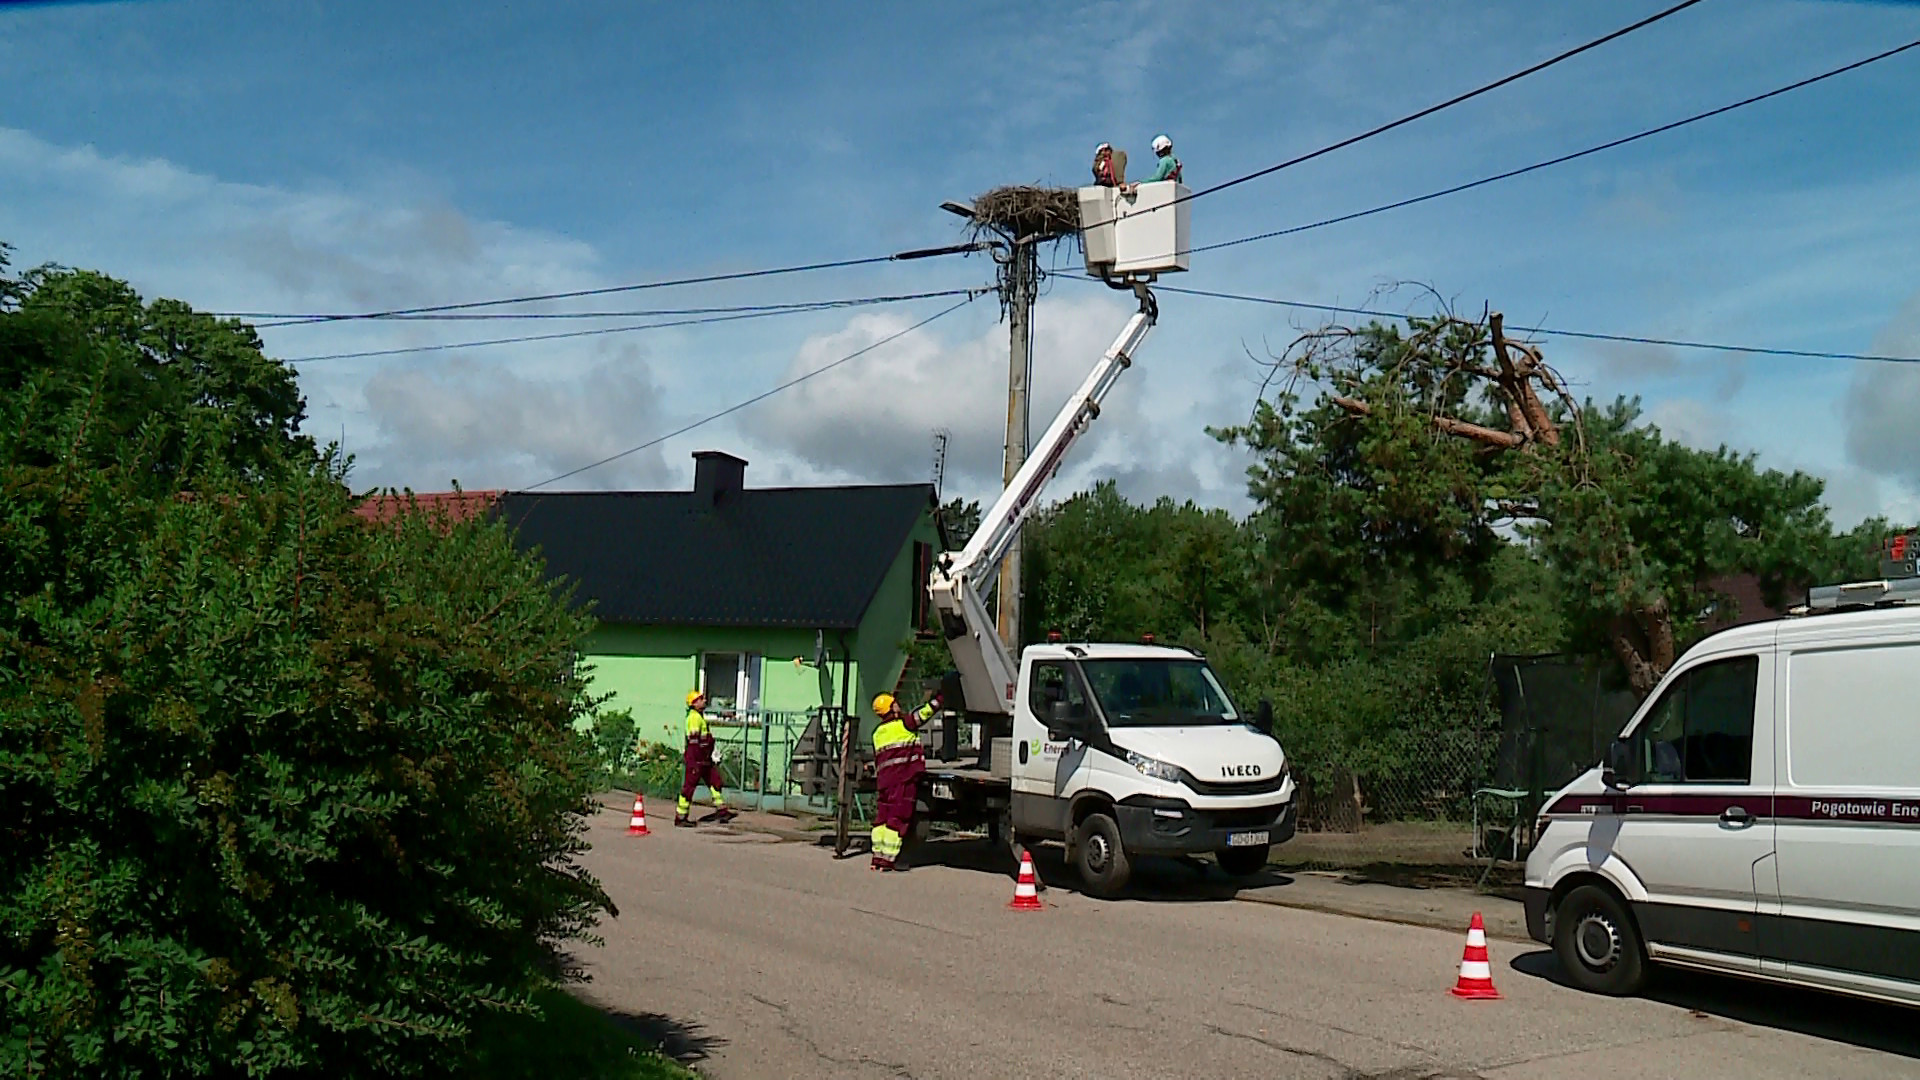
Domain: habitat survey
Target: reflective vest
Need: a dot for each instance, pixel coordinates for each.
(897, 754)
(698, 734)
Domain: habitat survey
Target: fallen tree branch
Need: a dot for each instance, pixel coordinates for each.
(1478, 433)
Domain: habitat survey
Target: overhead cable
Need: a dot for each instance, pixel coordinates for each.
(1564, 158)
(1431, 109)
(759, 312)
(612, 289)
(1548, 331)
(757, 398)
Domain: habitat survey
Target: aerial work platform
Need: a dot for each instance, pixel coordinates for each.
(1136, 231)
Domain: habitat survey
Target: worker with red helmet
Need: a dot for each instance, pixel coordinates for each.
(898, 761)
(700, 768)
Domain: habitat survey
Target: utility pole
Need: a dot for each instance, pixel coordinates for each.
(1022, 278)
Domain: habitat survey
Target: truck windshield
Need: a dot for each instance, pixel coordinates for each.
(1158, 693)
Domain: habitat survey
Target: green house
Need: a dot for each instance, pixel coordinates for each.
(774, 601)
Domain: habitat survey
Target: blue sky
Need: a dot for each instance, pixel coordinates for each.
(345, 156)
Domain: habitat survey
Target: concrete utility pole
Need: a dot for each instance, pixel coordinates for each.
(1022, 279)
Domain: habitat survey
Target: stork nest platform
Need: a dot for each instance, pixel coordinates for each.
(1028, 213)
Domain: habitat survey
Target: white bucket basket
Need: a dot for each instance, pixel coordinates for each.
(1139, 234)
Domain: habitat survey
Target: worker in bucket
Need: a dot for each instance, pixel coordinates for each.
(898, 761)
(1104, 174)
(1168, 166)
(700, 766)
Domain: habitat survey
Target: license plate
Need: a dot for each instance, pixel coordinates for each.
(942, 791)
(1246, 839)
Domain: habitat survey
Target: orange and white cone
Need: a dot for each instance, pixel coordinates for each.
(637, 825)
(1026, 892)
(1476, 975)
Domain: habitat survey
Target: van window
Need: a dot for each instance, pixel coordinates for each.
(1852, 720)
(1701, 730)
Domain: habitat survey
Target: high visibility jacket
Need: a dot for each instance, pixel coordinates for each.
(699, 735)
(897, 755)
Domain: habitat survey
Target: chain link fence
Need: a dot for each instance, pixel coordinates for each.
(1467, 791)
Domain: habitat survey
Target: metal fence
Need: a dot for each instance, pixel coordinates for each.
(1555, 715)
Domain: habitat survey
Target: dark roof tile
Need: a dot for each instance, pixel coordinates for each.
(809, 558)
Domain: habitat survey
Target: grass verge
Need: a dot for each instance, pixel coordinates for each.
(572, 1040)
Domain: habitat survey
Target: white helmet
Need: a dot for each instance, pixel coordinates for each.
(1162, 144)
(1103, 146)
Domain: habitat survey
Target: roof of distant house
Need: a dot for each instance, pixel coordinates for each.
(722, 554)
(456, 505)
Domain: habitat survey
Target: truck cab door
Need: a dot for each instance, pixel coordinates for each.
(1048, 765)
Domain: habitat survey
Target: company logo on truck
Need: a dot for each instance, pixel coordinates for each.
(1252, 771)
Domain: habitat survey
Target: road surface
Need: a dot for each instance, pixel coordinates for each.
(753, 957)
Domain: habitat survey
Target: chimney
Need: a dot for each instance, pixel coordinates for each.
(717, 478)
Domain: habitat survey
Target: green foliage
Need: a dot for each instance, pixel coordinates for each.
(567, 1039)
(287, 794)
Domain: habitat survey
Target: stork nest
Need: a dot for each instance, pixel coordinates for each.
(1028, 213)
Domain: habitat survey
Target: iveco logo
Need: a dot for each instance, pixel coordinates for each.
(1240, 770)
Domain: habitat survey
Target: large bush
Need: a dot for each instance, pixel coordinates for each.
(285, 793)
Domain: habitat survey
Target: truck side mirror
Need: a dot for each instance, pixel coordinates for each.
(1061, 721)
(1621, 769)
(1263, 717)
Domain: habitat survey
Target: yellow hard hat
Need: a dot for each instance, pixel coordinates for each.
(883, 704)
(693, 696)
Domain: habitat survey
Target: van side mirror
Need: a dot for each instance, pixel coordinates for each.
(1622, 767)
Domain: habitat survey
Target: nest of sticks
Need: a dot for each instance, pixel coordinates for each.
(1024, 212)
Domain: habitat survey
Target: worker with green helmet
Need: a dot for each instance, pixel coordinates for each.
(898, 761)
(700, 768)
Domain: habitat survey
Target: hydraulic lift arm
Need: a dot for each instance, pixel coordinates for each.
(988, 672)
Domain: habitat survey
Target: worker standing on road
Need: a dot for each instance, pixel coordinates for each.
(700, 766)
(898, 761)
(1168, 166)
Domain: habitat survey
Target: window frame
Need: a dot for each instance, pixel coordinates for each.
(1683, 685)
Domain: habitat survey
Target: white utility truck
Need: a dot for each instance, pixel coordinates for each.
(1115, 750)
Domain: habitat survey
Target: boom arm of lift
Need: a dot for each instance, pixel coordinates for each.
(988, 672)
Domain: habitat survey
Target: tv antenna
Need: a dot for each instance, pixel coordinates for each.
(940, 439)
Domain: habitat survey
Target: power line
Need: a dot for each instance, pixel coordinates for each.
(1564, 158)
(1547, 331)
(759, 312)
(474, 316)
(611, 289)
(757, 398)
(1431, 109)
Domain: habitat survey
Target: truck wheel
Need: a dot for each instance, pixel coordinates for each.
(1100, 857)
(1244, 861)
(1597, 943)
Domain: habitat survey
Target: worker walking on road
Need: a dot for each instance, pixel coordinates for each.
(700, 766)
(898, 761)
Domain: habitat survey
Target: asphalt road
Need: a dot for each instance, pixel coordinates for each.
(752, 957)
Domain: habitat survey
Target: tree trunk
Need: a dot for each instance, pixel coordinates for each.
(1643, 641)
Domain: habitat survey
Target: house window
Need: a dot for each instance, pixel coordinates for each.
(922, 599)
(731, 680)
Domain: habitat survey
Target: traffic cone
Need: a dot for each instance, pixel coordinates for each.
(1026, 893)
(1476, 976)
(637, 825)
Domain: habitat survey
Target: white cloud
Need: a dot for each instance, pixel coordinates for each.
(1883, 402)
(485, 425)
(874, 419)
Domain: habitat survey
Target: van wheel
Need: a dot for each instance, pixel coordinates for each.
(1597, 943)
(1243, 861)
(1100, 857)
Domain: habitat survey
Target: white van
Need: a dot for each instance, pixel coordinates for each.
(1759, 816)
